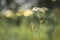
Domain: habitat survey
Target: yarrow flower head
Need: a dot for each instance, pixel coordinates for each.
(28, 12)
(41, 10)
(8, 13)
(38, 9)
(20, 12)
(35, 9)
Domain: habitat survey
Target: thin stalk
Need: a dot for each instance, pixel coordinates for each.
(39, 29)
(32, 28)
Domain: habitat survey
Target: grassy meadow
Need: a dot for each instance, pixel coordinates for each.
(29, 25)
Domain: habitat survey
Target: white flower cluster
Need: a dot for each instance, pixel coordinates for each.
(43, 9)
(40, 11)
(22, 12)
(37, 9)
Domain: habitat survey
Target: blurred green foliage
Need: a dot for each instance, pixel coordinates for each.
(39, 26)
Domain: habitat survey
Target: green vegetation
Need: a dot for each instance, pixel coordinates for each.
(37, 26)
